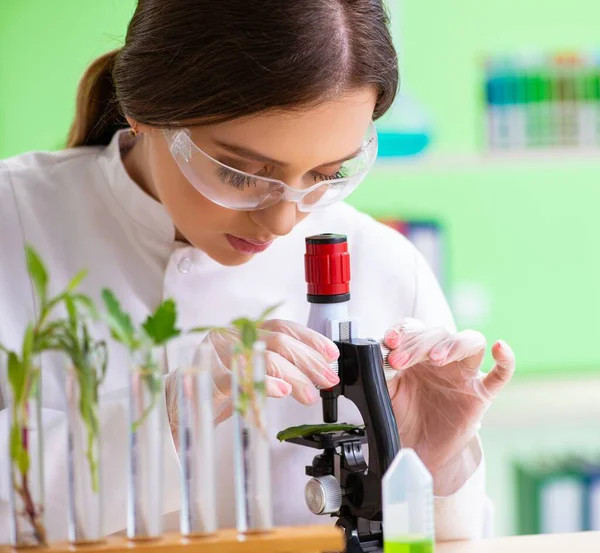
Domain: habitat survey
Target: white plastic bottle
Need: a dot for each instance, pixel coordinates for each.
(407, 500)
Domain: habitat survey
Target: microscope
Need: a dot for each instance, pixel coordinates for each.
(343, 483)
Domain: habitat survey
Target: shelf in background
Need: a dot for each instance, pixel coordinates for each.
(582, 542)
(521, 158)
(544, 401)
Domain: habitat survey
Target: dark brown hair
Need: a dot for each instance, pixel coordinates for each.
(211, 62)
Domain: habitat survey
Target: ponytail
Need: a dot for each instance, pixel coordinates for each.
(97, 116)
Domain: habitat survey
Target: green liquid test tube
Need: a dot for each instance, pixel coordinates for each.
(595, 94)
(408, 546)
(546, 120)
(407, 498)
(534, 114)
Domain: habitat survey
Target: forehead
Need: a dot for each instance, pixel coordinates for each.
(302, 137)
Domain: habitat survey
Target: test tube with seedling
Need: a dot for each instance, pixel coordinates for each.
(85, 512)
(147, 410)
(26, 474)
(146, 452)
(196, 445)
(254, 511)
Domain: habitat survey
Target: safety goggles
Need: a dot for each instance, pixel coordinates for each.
(235, 189)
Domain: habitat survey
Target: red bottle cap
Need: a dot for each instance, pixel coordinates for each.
(327, 268)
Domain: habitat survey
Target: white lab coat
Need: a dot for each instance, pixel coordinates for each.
(80, 209)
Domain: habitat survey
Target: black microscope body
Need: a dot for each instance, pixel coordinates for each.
(362, 381)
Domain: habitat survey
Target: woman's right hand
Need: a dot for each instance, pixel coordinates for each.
(297, 360)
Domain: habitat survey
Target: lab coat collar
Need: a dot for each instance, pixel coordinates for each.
(142, 208)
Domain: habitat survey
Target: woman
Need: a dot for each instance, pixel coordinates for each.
(171, 187)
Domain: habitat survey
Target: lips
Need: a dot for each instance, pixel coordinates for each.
(247, 245)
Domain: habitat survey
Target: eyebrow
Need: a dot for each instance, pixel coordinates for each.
(253, 155)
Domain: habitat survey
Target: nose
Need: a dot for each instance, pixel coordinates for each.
(278, 219)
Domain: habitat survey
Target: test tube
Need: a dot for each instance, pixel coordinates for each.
(25, 465)
(197, 446)
(146, 451)
(407, 498)
(84, 466)
(252, 464)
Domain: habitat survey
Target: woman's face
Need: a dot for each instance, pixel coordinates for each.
(303, 143)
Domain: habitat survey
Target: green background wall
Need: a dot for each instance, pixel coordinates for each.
(523, 228)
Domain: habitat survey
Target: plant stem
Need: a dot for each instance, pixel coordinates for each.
(253, 397)
(31, 514)
(149, 379)
(31, 511)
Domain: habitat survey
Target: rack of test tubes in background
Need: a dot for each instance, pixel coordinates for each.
(537, 102)
(558, 495)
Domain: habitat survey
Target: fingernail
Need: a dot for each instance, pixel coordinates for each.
(332, 352)
(392, 337)
(284, 388)
(311, 394)
(438, 356)
(331, 377)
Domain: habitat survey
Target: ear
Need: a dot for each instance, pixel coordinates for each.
(132, 122)
(137, 127)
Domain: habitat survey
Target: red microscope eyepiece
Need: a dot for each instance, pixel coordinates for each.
(327, 268)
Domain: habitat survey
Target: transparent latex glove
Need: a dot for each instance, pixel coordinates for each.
(297, 359)
(439, 395)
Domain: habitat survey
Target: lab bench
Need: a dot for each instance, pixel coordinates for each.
(313, 539)
(582, 542)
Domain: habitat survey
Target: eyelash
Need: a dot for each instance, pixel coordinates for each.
(235, 179)
(340, 174)
(240, 182)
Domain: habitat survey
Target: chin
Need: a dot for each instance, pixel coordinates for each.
(225, 256)
(229, 259)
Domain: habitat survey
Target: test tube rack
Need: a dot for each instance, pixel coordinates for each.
(293, 539)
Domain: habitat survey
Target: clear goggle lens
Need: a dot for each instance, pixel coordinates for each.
(235, 189)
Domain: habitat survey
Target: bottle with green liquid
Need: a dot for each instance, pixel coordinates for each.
(407, 498)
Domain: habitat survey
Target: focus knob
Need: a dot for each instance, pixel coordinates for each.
(388, 371)
(323, 495)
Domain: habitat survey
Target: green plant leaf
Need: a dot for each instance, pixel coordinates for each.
(154, 386)
(202, 329)
(23, 461)
(241, 322)
(50, 329)
(248, 332)
(37, 271)
(51, 305)
(18, 453)
(100, 355)
(28, 347)
(119, 322)
(72, 313)
(76, 280)
(15, 442)
(88, 359)
(161, 326)
(249, 336)
(242, 403)
(88, 304)
(307, 430)
(16, 376)
(263, 316)
(34, 381)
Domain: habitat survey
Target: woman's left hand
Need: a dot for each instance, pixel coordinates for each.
(439, 395)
